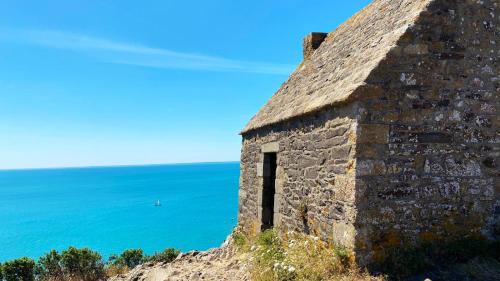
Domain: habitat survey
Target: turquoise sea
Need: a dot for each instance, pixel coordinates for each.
(110, 209)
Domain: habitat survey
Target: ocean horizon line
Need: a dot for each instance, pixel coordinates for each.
(114, 166)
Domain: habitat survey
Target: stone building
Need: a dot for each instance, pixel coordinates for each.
(386, 133)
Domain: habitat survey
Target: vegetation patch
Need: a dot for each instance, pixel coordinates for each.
(19, 269)
(168, 255)
(79, 265)
(295, 256)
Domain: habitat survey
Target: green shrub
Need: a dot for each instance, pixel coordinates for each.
(239, 239)
(1, 272)
(19, 270)
(49, 267)
(129, 258)
(168, 255)
(271, 247)
(82, 264)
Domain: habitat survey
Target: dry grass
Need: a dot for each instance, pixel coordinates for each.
(297, 257)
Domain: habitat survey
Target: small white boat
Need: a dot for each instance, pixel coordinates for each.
(157, 204)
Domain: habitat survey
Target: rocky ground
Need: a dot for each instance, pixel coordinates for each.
(226, 263)
(217, 264)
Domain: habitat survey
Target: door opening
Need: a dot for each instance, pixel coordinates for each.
(268, 190)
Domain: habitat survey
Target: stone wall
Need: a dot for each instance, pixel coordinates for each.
(428, 137)
(315, 174)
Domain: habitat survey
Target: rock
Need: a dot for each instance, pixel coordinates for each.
(213, 265)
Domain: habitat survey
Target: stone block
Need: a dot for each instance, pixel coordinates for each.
(277, 217)
(305, 162)
(259, 196)
(343, 233)
(338, 131)
(395, 191)
(433, 137)
(462, 167)
(373, 133)
(311, 173)
(416, 49)
(278, 201)
(433, 166)
(336, 168)
(449, 190)
(259, 213)
(279, 184)
(370, 167)
(340, 152)
(293, 173)
(331, 142)
(370, 150)
(260, 169)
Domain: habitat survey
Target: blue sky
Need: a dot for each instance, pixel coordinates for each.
(86, 83)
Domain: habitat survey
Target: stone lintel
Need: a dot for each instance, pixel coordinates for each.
(270, 147)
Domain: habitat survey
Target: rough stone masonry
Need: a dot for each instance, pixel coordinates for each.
(387, 133)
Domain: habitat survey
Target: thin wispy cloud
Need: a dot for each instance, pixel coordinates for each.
(126, 53)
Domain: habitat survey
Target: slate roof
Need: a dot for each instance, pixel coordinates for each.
(342, 62)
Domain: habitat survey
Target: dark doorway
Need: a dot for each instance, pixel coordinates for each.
(268, 190)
